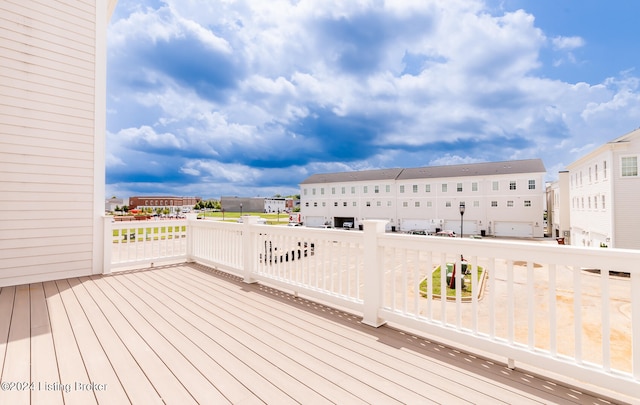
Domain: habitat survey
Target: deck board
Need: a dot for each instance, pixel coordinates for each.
(189, 334)
(44, 364)
(71, 368)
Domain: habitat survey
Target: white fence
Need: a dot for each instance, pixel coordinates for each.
(545, 305)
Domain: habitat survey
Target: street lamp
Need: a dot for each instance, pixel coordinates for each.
(240, 209)
(222, 209)
(462, 207)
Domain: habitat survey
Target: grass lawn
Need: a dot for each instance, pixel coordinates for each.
(435, 283)
(272, 218)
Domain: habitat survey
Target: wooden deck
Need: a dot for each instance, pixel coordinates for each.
(188, 334)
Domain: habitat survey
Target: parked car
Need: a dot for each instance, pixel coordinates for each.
(449, 234)
(417, 232)
(347, 225)
(294, 224)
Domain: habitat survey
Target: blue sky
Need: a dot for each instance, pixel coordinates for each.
(248, 98)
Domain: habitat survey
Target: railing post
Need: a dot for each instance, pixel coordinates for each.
(108, 244)
(248, 248)
(191, 219)
(373, 272)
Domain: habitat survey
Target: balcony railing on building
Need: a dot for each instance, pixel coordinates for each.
(571, 311)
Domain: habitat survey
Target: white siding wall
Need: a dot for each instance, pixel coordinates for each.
(590, 185)
(51, 171)
(627, 200)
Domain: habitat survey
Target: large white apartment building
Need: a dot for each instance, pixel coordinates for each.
(604, 191)
(500, 198)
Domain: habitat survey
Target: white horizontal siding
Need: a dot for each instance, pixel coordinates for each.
(47, 139)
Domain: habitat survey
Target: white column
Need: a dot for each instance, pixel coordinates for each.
(107, 241)
(248, 248)
(373, 272)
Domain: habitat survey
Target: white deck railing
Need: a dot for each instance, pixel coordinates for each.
(545, 305)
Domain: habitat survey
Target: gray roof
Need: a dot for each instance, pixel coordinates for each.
(472, 169)
(342, 177)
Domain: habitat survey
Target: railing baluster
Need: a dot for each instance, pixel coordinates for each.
(606, 319)
(531, 315)
(577, 314)
(553, 322)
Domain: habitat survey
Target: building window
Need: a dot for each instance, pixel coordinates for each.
(595, 202)
(353, 189)
(512, 185)
(389, 203)
(444, 188)
(344, 203)
(405, 204)
(376, 189)
(315, 204)
(596, 172)
(354, 204)
(629, 166)
(510, 203)
(333, 190)
(429, 205)
(324, 203)
(527, 203)
(335, 204)
(532, 184)
(402, 189)
(427, 188)
(415, 188)
(313, 191)
(495, 186)
(474, 186)
(603, 206)
(459, 187)
(306, 204)
(365, 189)
(604, 169)
(368, 204)
(378, 203)
(447, 204)
(387, 188)
(476, 203)
(494, 203)
(322, 191)
(417, 204)
(344, 191)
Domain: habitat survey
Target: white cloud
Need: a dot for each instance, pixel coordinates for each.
(567, 43)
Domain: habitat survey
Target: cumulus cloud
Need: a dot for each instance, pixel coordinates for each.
(238, 98)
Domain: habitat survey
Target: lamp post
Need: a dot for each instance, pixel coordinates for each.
(462, 208)
(222, 209)
(240, 209)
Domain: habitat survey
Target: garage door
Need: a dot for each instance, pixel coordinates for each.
(515, 229)
(409, 224)
(314, 221)
(470, 227)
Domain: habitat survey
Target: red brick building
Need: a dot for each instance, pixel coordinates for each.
(154, 202)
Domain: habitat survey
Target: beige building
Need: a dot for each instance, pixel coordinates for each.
(52, 138)
(500, 198)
